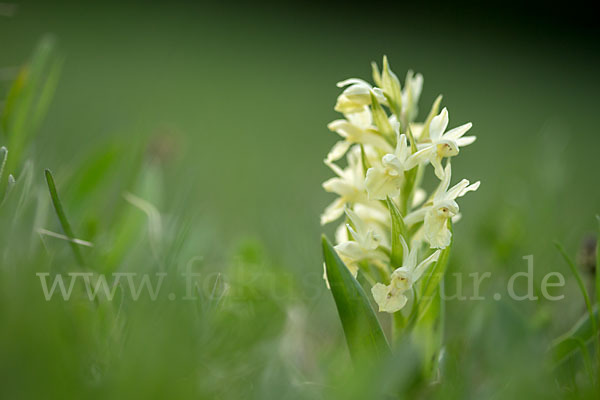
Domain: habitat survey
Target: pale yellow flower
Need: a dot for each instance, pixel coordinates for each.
(356, 96)
(386, 179)
(362, 246)
(442, 144)
(391, 298)
(349, 185)
(356, 128)
(435, 214)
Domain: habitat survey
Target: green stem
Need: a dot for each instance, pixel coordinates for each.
(586, 298)
(62, 218)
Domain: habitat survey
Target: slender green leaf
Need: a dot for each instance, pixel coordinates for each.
(62, 218)
(380, 119)
(586, 298)
(361, 328)
(568, 343)
(28, 100)
(582, 289)
(365, 161)
(391, 87)
(598, 263)
(376, 74)
(398, 229)
(427, 332)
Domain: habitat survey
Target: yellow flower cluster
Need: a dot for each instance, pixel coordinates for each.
(387, 154)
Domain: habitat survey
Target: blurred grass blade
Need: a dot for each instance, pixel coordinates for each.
(361, 327)
(567, 344)
(582, 289)
(11, 182)
(398, 229)
(598, 263)
(591, 315)
(3, 155)
(154, 220)
(62, 217)
(29, 98)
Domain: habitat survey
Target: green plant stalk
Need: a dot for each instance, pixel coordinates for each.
(598, 263)
(62, 218)
(563, 346)
(398, 326)
(398, 229)
(434, 279)
(586, 298)
(596, 333)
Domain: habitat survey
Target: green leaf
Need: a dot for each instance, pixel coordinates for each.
(62, 218)
(380, 119)
(17, 191)
(361, 328)
(598, 263)
(391, 87)
(428, 333)
(28, 100)
(567, 344)
(365, 161)
(398, 229)
(376, 74)
(586, 298)
(582, 289)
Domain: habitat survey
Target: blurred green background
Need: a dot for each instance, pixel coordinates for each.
(234, 99)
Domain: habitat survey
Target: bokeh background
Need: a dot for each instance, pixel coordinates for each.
(233, 102)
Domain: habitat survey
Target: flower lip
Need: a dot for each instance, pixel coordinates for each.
(447, 148)
(447, 207)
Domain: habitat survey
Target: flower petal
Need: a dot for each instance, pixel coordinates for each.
(457, 132)
(436, 230)
(379, 184)
(438, 125)
(338, 150)
(386, 300)
(425, 263)
(465, 141)
(333, 211)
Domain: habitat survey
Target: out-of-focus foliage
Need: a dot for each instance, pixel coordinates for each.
(173, 152)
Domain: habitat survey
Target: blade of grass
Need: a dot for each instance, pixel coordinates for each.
(586, 298)
(62, 218)
(3, 155)
(361, 327)
(564, 346)
(598, 263)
